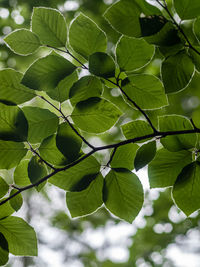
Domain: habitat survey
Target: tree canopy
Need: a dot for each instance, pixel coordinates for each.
(122, 84)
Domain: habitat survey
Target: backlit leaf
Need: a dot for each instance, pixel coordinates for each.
(133, 53)
(124, 157)
(95, 115)
(86, 87)
(187, 9)
(101, 64)
(123, 194)
(146, 90)
(50, 26)
(85, 171)
(11, 89)
(4, 187)
(22, 42)
(166, 166)
(186, 189)
(145, 154)
(177, 142)
(46, 73)
(41, 123)
(86, 37)
(20, 235)
(11, 154)
(177, 71)
(86, 201)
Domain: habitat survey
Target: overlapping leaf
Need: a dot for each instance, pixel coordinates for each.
(11, 89)
(86, 201)
(41, 123)
(133, 53)
(186, 189)
(22, 42)
(177, 142)
(166, 166)
(123, 194)
(50, 26)
(95, 115)
(86, 37)
(146, 90)
(84, 172)
(46, 73)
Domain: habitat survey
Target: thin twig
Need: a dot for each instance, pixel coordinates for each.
(36, 153)
(66, 119)
(178, 26)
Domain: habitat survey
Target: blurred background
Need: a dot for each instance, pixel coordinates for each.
(161, 235)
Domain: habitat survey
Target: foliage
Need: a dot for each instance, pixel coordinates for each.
(74, 81)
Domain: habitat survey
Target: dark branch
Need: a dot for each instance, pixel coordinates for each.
(115, 146)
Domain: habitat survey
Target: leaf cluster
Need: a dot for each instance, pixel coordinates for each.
(51, 144)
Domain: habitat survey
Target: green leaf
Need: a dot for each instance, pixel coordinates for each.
(4, 252)
(86, 37)
(195, 57)
(196, 118)
(86, 87)
(101, 64)
(13, 124)
(166, 36)
(133, 53)
(152, 24)
(49, 152)
(146, 90)
(4, 187)
(61, 92)
(21, 173)
(22, 42)
(68, 142)
(17, 201)
(46, 73)
(36, 169)
(11, 154)
(123, 194)
(69, 179)
(177, 142)
(124, 17)
(148, 9)
(187, 9)
(41, 123)
(95, 115)
(21, 237)
(196, 28)
(50, 26)
(124, 157)
(177, 71)
(145, 154)
(186, 189)
(86, 201)
(166, 166)
(136, 129)
(5, 210)
(11, 89)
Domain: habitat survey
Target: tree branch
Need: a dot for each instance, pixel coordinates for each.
(165, 7)
(115, 146)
